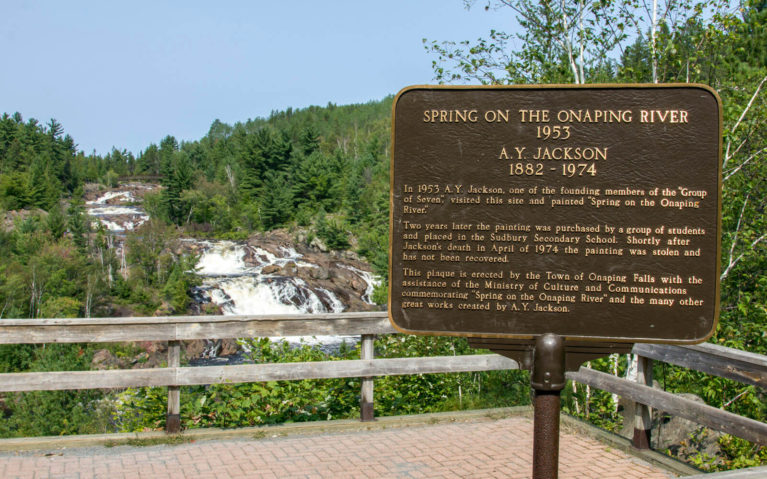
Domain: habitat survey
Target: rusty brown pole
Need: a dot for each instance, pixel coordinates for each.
(546, 435)
(548, 380)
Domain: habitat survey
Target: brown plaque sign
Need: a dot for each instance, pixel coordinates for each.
(588, 212)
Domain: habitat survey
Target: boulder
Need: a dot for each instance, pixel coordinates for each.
(289, 269)
(320, 272)
(683, 438)
(229, 347)
(154, 347)
(270, 269)
(103, 359)
(318, 245)
(194, 349)
(349, 255)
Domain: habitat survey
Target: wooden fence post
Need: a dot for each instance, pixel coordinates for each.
(642, 413)
(173, 419)
(366, 394)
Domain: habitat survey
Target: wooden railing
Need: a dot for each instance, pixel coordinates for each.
(733, 364)
(729, 363)
(178, 328)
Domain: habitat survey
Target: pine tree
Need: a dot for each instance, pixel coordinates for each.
(56, 222)
(78, 223)
(309, 140)
(276, 201)
(259, 153)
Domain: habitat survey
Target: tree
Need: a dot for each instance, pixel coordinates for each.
(309, 140)
(79, 225)
(561, 42)
(146, 248)
(572, 41)
(178, 288)
(14, 191)
(318, 180)
(260, 153)
(149, 161)
(276, 200)
(178, 177)
(56, 222)
(332, 232)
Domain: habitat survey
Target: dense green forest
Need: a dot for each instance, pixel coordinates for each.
(325, 169)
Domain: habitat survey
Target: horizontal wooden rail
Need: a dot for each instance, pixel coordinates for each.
(741, 366)
(712, 417)
(243, 373)
(178, 328)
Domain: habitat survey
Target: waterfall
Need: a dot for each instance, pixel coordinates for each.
(117, 217)
(246, 295)
(240, 288)
(242, 279)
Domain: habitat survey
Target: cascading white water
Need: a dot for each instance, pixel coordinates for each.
(336, 306)
(116, 210)
(110, 195)
(117, 218)
(242, 289)
(266, 258)
(247, 295)
(223, 258)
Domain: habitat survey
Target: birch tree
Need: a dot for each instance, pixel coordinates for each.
(573, 41)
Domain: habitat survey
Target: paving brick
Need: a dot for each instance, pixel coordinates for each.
(472, 449)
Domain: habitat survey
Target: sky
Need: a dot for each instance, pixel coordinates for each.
(125, 74)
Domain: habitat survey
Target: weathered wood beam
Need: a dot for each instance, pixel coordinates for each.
(642, 413)
(122, 378)
(709, 358)
(173, 418)
(709, 416)
(179, 328)
(367, 351)
(62, 380)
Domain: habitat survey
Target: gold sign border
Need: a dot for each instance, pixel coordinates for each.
(600, 86)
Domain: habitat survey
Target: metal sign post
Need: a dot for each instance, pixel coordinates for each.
(548, 380)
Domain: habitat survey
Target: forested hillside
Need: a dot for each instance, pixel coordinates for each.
(325, 169)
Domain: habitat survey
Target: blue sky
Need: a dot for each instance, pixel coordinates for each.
(125, 74)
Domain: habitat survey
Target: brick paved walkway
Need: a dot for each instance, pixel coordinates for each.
(476, 449)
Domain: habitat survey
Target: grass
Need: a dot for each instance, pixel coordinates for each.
(171, 440)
